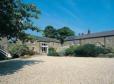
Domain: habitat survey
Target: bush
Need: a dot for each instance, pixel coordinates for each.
(86, 50)
(61, 53)
(31, 52)
(91, 50)
(112, 50)
(109, 55)
(52, 52)
(18, 50)
(103, 50)
(70, 51)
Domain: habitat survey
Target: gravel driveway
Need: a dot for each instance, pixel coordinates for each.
(57, 70)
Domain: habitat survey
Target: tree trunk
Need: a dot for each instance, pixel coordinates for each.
(4, 43)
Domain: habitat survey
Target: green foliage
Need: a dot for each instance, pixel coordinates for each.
(52, 52)
(103, 50)
(112, 50)
(63, 33)
(70, 51)
(15, 18)
(50, 32)
(87, 50)
(18, 50)
(59, 34)
(108, 55)
(27, 37)
(61, 53)
(90, 50)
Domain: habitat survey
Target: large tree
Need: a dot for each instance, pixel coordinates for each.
(50, 32)
(63, 33)
(16, 18)
(59, 34)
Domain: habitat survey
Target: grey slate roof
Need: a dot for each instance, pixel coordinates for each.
(45, 39)
(92, 35)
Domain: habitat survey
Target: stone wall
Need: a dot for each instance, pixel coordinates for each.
(106, 41)
(70, 43)
(99, 40)
(109, 41)
(37, 46)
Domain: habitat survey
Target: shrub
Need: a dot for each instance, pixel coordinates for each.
(31, 52)
(91, 50)
(86, 50)
(61, 53)
(70, 51)
(103, 50)
(52, 52)
(109, 55)
(112, 50)
(18, 50)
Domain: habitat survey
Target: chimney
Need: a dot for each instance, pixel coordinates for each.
(89, 32)
(79, 34)
(82, 34)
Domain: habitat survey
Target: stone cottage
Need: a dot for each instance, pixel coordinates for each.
(42, 44)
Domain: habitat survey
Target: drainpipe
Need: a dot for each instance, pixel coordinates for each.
(80, 41)
(104, 41)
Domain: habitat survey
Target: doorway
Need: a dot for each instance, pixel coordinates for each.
(44, 48)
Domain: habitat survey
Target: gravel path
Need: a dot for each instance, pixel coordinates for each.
(57, 70)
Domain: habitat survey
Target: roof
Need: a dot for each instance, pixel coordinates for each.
(46, 39)
(92, 35)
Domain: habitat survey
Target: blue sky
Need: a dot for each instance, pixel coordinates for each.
(79, 15)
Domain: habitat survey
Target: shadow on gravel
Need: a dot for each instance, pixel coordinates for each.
(10, 67)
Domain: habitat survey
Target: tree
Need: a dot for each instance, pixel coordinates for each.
(59, 34)
(16, 18)
(26, 37)
(63, 33)
(50, 32)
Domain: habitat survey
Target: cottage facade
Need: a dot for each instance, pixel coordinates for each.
(42, 44)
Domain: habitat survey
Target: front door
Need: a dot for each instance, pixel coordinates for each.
(44, 48)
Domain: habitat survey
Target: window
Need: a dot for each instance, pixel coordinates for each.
(44, 49)
(43, 44)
